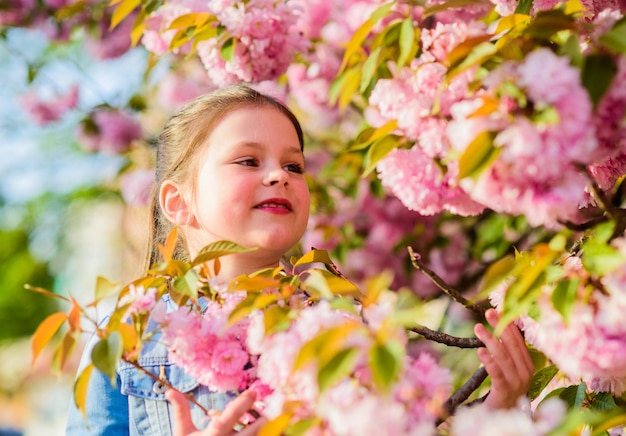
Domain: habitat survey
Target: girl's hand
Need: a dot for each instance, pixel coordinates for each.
(507, 360)
(221, 425)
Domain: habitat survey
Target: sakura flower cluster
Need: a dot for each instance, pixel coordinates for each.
(207, 348)
(353, 405)
(540, 141)
(261, 35)
(590, 343)
(234, 357)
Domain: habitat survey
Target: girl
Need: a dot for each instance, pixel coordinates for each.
(230, 167)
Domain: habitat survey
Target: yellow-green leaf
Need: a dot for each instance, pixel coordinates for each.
(476, 55)
(123, 9)
(256, 283)
(325, 345)
(276, 318)
(349, 86)
(510, 21)
(276, 426)
(242, 310)
(188, 284)
(63, 351)
(105, 288)
(386, 363)
(45, 292)
(496, 273)
(362, 32)
(371, 134)
(407, 41)
(80, 389)
(479, 154)
(46, 331)
(314, 256)
(341, 365)
(379, 149)
(369, 69)
(219, 249)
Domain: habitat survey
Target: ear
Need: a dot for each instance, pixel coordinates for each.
(173, 203)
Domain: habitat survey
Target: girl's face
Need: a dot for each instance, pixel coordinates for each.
(250, 188)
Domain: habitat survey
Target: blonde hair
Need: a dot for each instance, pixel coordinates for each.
(181, 142)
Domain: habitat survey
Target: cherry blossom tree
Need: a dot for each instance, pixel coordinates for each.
(463, 154)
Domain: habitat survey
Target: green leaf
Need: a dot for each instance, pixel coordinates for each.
(600, 259)
(615, 39)
(369, 69)
(547, 23)
(188, 284)
(523, 6)
(407, 41)
(106, 354)
(478, 155)
(386, 363)
(540, 380)
(564, 296)
(603, 401)
(574, 395)
(597, 75)
(218, 249)
(337, 368)
(227, 49)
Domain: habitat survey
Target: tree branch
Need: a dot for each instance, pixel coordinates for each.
(441, 284)
(446, 339)
(464, 392)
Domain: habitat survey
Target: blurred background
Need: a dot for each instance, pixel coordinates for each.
(63, 222)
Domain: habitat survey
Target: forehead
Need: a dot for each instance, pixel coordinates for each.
(253, 126)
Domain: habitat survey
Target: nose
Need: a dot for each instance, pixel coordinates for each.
(276, 176)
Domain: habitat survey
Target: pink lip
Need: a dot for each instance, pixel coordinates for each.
(275, 205)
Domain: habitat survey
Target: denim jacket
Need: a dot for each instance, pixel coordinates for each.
(137, 406)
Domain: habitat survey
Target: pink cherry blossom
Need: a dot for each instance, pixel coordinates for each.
(108, 131)
(46, 111)
(141, 300)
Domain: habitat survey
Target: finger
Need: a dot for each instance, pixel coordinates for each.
(224, 423)
(514, 342)
(183, 425)
(500, 360)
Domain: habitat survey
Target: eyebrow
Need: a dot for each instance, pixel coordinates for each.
(259, 145)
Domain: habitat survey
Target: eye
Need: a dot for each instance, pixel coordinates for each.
(248, 162)
(294, 168)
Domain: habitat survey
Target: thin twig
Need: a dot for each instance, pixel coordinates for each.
(441, 284)
(166, 382)
(446, 339)
(464, 392)
(578, 227)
